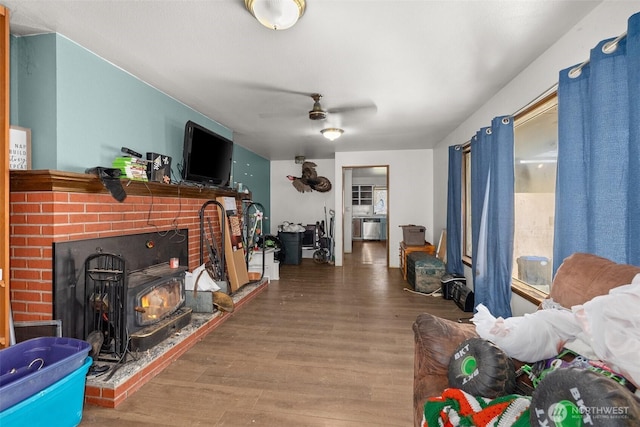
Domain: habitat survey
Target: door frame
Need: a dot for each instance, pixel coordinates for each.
(346, 192)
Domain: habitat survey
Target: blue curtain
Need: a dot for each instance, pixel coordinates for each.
(454, 212)
(492, 215)
(597, 199)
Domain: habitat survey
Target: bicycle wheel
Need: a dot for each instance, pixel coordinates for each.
(320, 256)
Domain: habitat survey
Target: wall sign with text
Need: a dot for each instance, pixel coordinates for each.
(19, 148)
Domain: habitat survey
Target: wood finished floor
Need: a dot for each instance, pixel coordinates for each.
(322, 346)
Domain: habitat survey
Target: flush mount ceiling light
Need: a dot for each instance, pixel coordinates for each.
(332, 133)
(276, 14)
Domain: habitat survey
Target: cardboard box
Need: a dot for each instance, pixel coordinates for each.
(413, 235)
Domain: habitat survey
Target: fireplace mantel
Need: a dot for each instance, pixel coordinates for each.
(55, 180)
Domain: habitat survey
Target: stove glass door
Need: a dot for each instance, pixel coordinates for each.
(158, 302)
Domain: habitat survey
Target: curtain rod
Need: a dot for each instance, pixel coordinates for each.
(608, 47)
(540, 97)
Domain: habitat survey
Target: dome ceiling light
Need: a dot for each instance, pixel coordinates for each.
(276, 14)
(332, 133)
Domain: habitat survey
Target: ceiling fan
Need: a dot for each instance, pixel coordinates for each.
(319, 113)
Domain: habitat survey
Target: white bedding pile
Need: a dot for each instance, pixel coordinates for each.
(606, 328)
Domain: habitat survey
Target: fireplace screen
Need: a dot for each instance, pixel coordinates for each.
(105, 293)
(159, 301)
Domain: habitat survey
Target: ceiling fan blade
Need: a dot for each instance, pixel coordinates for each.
(283, 114)
(369, 108)
(269, 88)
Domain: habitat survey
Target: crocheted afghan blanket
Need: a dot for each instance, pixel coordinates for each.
(458, 408)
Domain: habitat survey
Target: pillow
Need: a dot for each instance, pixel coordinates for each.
(582, 277)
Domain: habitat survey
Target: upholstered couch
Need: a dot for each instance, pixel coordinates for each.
(580, 278)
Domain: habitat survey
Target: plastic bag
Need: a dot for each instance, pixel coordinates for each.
(529, 338)
(200, 280)
(291, 228)
(612, 327)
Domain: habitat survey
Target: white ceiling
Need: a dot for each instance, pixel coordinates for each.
(425, 65)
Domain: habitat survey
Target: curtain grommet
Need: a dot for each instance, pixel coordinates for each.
(574, 73)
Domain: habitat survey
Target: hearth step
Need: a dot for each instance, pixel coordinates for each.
(152, 335)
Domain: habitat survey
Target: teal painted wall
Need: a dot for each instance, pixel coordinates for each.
(249, 169)
(82, 109)
(35, 102)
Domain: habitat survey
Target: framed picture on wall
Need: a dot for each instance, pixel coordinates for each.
(19, 148)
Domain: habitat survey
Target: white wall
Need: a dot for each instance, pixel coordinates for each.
(410, 193)
(607, 20)
(287, 204)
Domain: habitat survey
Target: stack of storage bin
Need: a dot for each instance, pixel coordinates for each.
(271, 266)
(42, 382)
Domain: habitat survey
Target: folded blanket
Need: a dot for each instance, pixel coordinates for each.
(458, 408)
(604, 328)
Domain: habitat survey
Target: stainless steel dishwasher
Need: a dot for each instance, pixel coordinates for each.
(371, 229)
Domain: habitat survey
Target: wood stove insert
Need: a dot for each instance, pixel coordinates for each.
(124, 288)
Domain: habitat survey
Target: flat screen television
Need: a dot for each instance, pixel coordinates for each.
(207, 156)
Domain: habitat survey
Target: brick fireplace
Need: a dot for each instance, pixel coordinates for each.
(48, 207)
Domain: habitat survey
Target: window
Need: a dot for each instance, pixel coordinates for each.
(536, 148)
(466, 200)
(536, 153)
(380, 200)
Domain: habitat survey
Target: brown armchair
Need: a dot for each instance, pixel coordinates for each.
(580, 278)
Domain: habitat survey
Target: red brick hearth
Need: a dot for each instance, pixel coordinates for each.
(135, 374)
(47, 207)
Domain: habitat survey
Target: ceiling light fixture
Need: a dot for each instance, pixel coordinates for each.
(537, 161)
(332, 133)
(276, 14)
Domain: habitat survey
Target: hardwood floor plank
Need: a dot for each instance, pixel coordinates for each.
(322, 346)
(282, 419)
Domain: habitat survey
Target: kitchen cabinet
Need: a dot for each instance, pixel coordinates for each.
(383, 228)
(362, 195)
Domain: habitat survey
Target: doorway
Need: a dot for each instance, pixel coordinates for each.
(366, 214)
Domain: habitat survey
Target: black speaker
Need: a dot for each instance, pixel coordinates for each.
(462, 296)
(447, 282)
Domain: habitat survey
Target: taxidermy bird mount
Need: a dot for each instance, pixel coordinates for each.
(310, 180)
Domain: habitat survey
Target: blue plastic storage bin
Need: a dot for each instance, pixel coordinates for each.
(535, 270)
(58, 405)
(30, 366)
